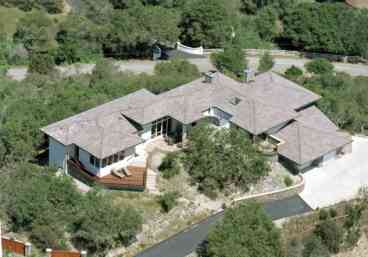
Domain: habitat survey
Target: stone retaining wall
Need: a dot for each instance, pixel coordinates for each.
(275, 195)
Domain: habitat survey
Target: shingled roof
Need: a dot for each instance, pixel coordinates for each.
(310, 136)
(265, 103)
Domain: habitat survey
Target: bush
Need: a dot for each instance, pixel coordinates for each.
(293, 72)
(313, 247)
(169, 166)
(333, 213)
(319, 66)
(168, 200)
(331, 235)
(323, 214)
(42, 63)
(266, 63)
(288, 181)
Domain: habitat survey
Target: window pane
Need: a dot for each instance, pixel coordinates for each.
(110, 160)
(91, 160)
(153, 130)
(121, 155)
(116, 158)
(104, 163)
(159, 129)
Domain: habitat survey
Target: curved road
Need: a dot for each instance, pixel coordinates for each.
(186, 242)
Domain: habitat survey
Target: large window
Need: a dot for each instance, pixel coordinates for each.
(113, 159)
(161, 127)
(94, 161)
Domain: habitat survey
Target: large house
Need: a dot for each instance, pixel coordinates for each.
(269, 107)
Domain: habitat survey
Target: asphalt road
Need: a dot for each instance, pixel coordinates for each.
(203, 64)
(187, 241)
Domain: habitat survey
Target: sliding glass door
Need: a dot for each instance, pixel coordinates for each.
(161, 127)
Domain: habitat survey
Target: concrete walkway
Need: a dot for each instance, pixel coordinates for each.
(187, 242)
(339, 179)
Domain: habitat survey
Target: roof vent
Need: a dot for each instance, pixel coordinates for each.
(208, 76)
(249, 75)
(235, 100)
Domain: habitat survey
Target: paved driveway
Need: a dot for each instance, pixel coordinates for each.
(186, 242)
(339, 179)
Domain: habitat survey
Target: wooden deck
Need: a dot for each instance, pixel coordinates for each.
(136, 181)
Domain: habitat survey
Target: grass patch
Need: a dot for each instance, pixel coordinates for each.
(8, 19)
(145, 203)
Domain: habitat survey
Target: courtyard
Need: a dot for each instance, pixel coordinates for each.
(338, 180)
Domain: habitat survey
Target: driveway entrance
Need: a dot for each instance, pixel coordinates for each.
(339, 179)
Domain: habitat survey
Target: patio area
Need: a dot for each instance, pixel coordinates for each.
(135, 180)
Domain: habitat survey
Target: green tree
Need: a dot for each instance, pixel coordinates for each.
(35, 31)
(266, 23)
(245, 231)
(206, 23)
(78, 40)
(266, 63)
(211, 151)
(326, 27)
(319, 66)
(133, 32)
(231, 60)
(107, 225)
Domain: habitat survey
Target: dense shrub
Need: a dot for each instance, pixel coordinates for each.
(319, 66)
(168, 200)
(293, 73)
(169, 166)
(313, 247)
(323, 214)
(331, 235)
(107, 225)
(42, 63)
(50, 207)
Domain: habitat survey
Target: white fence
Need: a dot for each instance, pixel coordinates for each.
(189, 50)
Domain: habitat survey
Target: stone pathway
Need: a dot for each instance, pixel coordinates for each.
(151, 182)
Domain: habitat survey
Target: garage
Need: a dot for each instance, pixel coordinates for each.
(329, 157)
